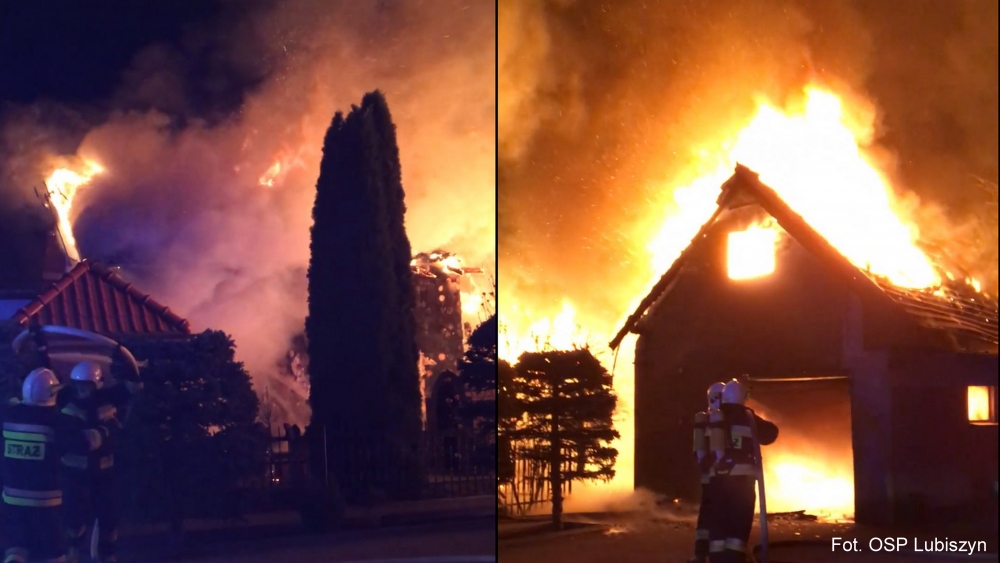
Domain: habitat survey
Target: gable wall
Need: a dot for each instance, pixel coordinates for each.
(710, 328)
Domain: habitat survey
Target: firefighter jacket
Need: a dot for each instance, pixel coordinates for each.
(34, 440)
(739, 457)
(103, 407)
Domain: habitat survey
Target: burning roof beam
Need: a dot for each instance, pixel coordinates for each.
(669, 276)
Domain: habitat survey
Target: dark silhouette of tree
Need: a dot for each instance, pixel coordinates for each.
(479, 374)
(191, 438)
(568, 402)
(364, 379)
(508, 413)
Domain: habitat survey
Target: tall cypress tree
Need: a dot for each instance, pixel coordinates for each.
(365, 387)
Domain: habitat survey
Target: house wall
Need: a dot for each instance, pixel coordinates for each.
(870, 420)
(711, 328)
(917, 459)
(943, 466)
(438, 314)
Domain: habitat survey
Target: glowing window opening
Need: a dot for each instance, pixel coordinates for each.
(751, 253)
(981, 403)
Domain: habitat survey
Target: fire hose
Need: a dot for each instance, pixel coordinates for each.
(762, 517)
(759, 554)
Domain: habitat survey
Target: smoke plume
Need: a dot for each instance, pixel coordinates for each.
(210, 210)
(605, 106)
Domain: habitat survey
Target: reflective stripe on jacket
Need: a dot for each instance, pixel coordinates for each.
(34, 440)
(739, 458)
(25, 497)
(99, 409)
(83, 462)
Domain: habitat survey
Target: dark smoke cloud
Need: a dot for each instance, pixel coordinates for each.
(192, 129)
(602, 106)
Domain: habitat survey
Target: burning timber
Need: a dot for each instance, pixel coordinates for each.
(439, 279)
(891, 390)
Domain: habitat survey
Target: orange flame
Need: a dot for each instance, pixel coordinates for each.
(813, 157)
(979, 404)
(285, 162)
(62, 186)
(751, 252)
(471, 295)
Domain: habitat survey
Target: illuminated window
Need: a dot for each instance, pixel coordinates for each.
(982, 403)
(750, 253)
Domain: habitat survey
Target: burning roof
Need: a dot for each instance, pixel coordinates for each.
(953, 308)
(429, 264)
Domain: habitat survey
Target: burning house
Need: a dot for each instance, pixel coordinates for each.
(441, 332)
(445, 298)
(890, 386)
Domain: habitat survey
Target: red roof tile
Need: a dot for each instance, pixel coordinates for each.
(91, 297)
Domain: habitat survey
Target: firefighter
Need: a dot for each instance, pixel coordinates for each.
(35, 435)
(706, 459)
(90, 479)
(735, 475)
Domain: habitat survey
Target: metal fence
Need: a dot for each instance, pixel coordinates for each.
(455, 465)
(530, 488)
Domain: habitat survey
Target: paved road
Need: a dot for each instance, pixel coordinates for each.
(655, 539)
(474, 536)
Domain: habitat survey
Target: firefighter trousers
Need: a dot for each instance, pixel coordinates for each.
(705, 519)
(90, 495)
(34, 534)
(730, 530)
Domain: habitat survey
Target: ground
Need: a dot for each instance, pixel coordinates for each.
(445, 527)
(472, 536)
(662, 538)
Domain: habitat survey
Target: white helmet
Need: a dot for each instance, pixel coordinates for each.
(88, 372)
(715, 394)
(735, 393)
(40, 388)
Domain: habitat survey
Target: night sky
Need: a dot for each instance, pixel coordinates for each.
(78, 51)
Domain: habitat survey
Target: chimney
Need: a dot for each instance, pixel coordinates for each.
(55, 262)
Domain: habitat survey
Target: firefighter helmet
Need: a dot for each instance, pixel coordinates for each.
(715, 394)
(40, 388)
(88, 372)
(735, 393)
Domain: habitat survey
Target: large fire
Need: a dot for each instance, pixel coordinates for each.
(813, 156)
(62, 186)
